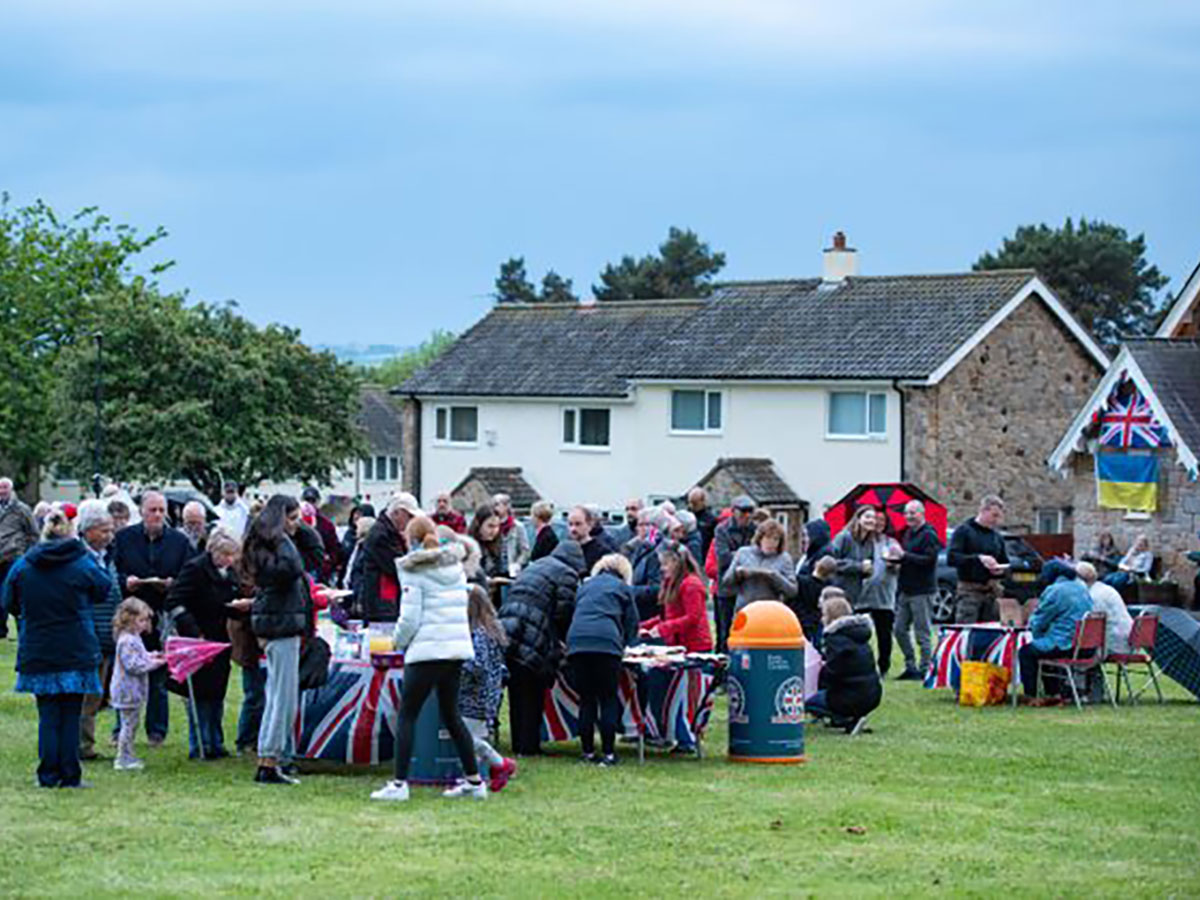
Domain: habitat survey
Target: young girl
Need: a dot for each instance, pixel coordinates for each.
(130, 677)
(482, 678)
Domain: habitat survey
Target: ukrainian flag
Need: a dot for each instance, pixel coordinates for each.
(1127, 481)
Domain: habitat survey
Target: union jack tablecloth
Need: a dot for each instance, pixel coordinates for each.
(991, 642)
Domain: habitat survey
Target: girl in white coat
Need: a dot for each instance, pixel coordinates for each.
(436, 639)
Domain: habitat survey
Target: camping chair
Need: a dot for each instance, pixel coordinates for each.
(1141, 643)
(1087, 653)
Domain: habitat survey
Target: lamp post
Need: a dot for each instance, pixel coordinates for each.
(99, 436)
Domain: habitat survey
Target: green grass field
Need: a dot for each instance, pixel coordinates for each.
(938, 800)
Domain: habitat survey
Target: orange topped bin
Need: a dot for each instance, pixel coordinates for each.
(766, 685)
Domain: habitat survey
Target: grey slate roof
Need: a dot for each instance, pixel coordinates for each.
(864, 327)
(760, 479)
(1173, 369)
(379, 417)
(503, 480)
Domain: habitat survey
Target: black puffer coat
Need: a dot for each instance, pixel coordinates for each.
(538, 610)
(378, 593)
(281, 601)
(849, 678)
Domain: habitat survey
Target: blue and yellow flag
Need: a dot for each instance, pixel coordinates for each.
(1126, 481)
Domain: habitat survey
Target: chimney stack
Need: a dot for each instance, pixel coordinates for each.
(841, 261)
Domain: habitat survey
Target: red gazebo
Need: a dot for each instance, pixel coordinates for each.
(892, 498)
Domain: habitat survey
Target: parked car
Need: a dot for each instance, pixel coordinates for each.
(177, 498)
(1021, 582)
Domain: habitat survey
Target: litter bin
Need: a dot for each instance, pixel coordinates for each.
(434, 759)
(766, 685)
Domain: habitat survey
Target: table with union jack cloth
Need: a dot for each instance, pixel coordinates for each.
(989, 642)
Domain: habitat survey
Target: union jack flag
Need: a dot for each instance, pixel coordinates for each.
(560, 715)
(998, 647)
(349, 718)
(1128, 421)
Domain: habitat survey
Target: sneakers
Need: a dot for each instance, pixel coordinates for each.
(271, 775)
(501, 774)
(464, 790)
(608, 761)
(393, 790)
(910, 675)
(128, 765)
(589, 759)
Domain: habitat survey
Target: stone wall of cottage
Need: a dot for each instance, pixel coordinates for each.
(410, 424)
(993, 421)
(1172, 529)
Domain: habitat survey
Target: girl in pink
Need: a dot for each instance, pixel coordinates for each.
(130, 677)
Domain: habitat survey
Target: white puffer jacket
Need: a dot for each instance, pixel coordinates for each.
(433, 605)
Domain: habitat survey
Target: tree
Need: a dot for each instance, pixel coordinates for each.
(556, 289)
(513, 285)
(399, 369)
(1099, 272)
(51, 274)
(198, 392)
(684, 267)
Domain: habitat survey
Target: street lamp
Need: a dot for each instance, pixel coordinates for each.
(98, 337)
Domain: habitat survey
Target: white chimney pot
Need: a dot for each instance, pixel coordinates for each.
(840, 261)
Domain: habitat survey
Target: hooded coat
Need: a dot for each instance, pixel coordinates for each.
(433, 623)
(819, 536)
(849, 677)
(538, 609)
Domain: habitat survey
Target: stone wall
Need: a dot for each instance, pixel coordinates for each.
(993, 421)
(1172, 530)
(411, 443)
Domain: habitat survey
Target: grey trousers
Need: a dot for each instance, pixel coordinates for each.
(912, 610)
(282, 697)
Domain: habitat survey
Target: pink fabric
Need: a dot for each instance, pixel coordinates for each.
(186, 656)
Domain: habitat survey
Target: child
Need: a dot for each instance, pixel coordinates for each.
(130, 677)
(482, 677)
(807, 603)
(849, 685)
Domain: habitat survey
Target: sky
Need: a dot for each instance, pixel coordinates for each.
(359, 169)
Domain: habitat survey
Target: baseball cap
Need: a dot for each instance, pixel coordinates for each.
(744, 503)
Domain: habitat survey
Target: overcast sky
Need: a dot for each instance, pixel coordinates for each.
(359, 169)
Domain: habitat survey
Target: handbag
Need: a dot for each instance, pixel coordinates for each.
(314, 663)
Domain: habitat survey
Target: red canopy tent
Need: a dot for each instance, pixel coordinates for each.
(891, 497)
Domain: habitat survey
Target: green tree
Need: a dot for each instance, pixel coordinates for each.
(51, 273)
(1098, 271)
(683, 267)
(556, 289)
(513, 284)
(398, 369)
(198, 392)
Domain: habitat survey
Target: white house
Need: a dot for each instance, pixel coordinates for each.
(837, 380)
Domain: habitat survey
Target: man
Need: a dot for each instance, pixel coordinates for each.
(731, 535)
(977, 552)
(194, 525)
(917, 584)
(513, 535)
(148, 557)
(232, 511)
(17, 534)
(706, 521)
(628, 531)
(583, 527)
(329, 536)
(94, 525)
(119, 510)
(444, 513)
(385, 542)
(1107, 599)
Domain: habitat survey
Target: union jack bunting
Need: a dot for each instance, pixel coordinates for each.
(1128, 421)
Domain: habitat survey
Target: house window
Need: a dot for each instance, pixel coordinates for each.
(585, 427)
(368, 469)
(394, 468)
(456, 425)
(696, 412)
(857, 414)
(380, 468)
(1050, 521)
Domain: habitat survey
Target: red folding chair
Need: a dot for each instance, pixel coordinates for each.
(1087, 653)
(1141, 642)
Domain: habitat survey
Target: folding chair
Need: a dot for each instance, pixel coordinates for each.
(1141, 642)
(1087, 653)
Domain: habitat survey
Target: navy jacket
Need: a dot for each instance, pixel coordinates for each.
(606, 618)
(52, 590)
(164, 557)
(647, 578)
(918, 568)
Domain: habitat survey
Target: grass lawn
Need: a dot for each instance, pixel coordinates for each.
(949, 801)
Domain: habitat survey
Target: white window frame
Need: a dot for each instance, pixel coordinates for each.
(448, 410)
(573, 446)
(1044, 510)
(707, 430)
(867, 434)
(366, 466)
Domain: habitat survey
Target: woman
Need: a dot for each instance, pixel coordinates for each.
(1105, 555)
(280, 617)
(207, 588)
(683, 612)
(605, 622)
(51, 591)
(849, 687)
(485, 529)
(434, 634)
(1134, 565)
(544, 539)
(863, 574)
(357, 559)
(1064, 601)
(642, 551)
(685, 531)
(350, 539)
(816, 545)
(512, 533)
(763, 569)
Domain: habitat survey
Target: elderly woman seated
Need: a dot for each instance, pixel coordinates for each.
(1063, 603)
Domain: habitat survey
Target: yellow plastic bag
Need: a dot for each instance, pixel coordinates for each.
(982, 684)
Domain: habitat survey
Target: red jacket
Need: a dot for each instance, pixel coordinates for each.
(684, 621)
(453, 520)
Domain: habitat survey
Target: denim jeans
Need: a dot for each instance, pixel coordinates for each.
(206, 728)
(282, 698)
(254, 686)
(58, 739)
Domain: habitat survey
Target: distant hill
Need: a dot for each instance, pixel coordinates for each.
(364, 354)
